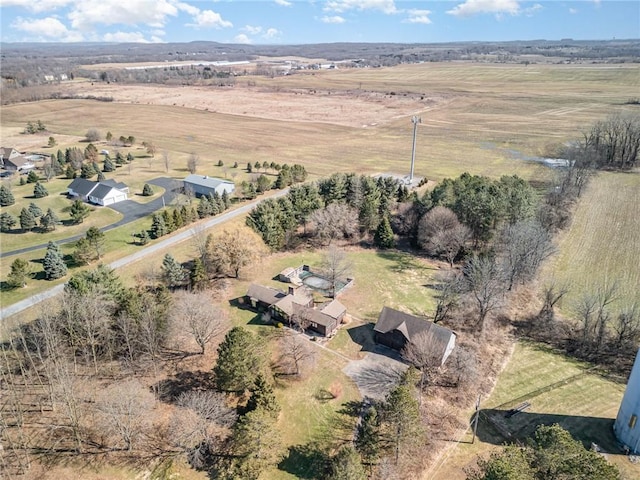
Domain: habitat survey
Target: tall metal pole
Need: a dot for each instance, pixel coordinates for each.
(415, 120)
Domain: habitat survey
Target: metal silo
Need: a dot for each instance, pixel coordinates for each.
(627, 425)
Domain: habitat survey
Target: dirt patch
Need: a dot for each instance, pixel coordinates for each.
(348, 108)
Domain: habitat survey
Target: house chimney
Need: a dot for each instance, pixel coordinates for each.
(291, 290)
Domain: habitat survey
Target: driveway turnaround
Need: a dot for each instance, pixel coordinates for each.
(170, 240)
(130, 210)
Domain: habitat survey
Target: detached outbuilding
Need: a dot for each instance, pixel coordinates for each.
(627, 424)
(204, 185)
(395, 329)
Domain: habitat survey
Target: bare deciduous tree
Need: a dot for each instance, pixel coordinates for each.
(627, 327)
(440, 233)
(295, 353)
(485, 284)
(335, 267)
(337, 220)
(125, 409)
(525, 245)
(425, 352)
(195, 312)
(192, 163)
(166, 160)
(552, 293)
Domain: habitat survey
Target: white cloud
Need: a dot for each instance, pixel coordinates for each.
(385, 6)
(209, 19)
(271, 33)
(158, 33)
(190, 9)
(333, 19)
(242, 38)
(125, 37)
(48, 28)
(573, 11)
(418, 16)
(252, 30)
(87, 13)
(283, 3)
(474, 7)
(531, 11)
(36, 6)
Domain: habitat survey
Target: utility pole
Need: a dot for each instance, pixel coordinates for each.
(415, 120)
(475, 420)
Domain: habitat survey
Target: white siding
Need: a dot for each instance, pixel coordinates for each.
(627, 425)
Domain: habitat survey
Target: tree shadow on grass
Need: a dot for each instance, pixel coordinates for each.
(171, 388)
(307, 461)
(500, 426)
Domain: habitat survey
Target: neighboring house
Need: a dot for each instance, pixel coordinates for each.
(395, 329)
(294, 306)
(203, 185)
(18, 163)
(7, 153)
(102, 193)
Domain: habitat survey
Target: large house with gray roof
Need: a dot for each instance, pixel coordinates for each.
(102, 193)
(395, 329)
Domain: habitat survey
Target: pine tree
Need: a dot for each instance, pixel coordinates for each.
(32, 177)
(173, 273)
(158, 227)
(83, 253)
(108, 164)
(168, 221)
(383, 237)
(79, 211)
(7, 222)
(178, 221)
(239, 361)
(27, 219)
(249, 167)
(147, 191)
(95, 237)
(197, 274)
(130, 157)
(262, 396)
(346, 465)
(87, 171)
(204, 207)
(367, 440)
(39, 191)
(35, 210)
(144, 237)
(19, 274)
(120, 159)
(6, 197)
(70, 172)
(54, 266)
(49, 220)
(101, 177)
(60, 157)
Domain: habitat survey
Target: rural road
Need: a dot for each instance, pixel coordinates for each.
(173, 239)
(130, 210)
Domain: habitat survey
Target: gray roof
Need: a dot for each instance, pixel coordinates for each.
(410, 325)
(17, 161)
(206, 181)
(314, 315)
(101, 191)
(300, 296)
(334, 309)
(112, 183)
(5, 152)
(82, 186)
(264, 294)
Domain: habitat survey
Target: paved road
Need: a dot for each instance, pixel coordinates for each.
(171, 240)
(129, 209)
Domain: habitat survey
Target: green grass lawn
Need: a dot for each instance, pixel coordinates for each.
(560, 390)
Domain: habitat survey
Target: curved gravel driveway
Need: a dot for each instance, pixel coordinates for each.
(171, 240)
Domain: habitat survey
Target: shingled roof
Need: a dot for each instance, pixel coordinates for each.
(410, 326)
(264, 294)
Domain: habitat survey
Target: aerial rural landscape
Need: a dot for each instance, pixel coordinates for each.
(319, 259)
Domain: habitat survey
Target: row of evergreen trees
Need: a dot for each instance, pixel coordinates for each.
(276, 220)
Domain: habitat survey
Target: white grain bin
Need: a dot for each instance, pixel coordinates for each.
(627, 425)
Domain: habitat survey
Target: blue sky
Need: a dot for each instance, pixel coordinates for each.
(315, 21)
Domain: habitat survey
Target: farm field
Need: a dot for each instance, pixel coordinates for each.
(560, 390)
(602, 245)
